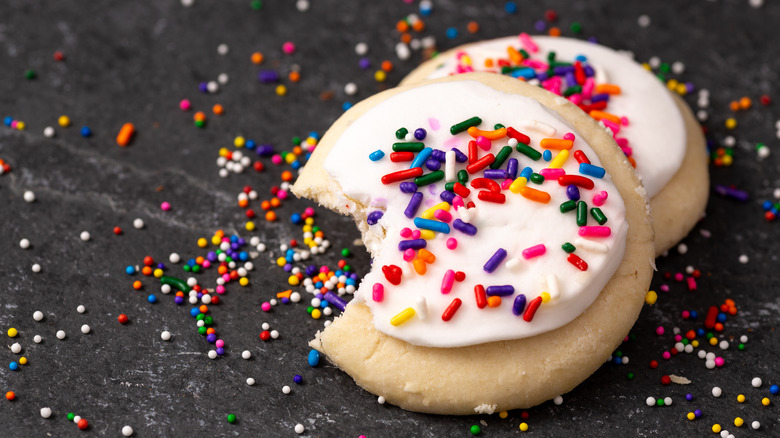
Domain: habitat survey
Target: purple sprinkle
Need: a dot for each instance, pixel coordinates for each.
(211, 338)
(287, 267)
(511, 168)
(374, 217)
(203, 87)
(697, 412)
(603, 97)
(414, 205)
(570, 80)
(408, 187)
(562, 70)
(220, 351)
(589, 72)
(689, 397)
(412, 243)
(265, 150)
(364, 63)
(572, 192)
(519, 305)
(464, 227)
(460, 157)
(495, 260)
(285, 300)
(178, 300)
(432, 164)
(439, 154)
(542, 76)
(495, 173)
(336, 300)
(447, 196)
(729, 192)
(268, 76)
(311, 270)
(420, 133)
(501, 291)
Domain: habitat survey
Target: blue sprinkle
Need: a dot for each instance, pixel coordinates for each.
(591, 170)
(314, 358)
(774, 389)
(376, 155)
(510, 7)
(296, 219)
(194, 312)
(297, 379)
(721, 317)
(452, 33)
(152, 298)
(86, 132)
(346, 105)
(13, 366)
(526, 173)
(8, 120)
(547, 155)
(694, 314)
(427, 224)
(250, 144)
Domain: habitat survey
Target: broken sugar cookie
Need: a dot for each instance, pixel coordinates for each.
(654, 127)
(510, 238)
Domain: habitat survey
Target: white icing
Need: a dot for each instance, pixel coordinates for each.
(514, 226)
(656, 132)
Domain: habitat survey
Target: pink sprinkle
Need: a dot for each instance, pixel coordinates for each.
(594, 231)
(622, 142)
(587, 88)
(434, 124)
(664, 288)
(452, 243)
(288, 48)
(614, 127)
(719, 361)
(165, 206)
(226, 277)
(220, 289)
(484, 143)
(185, 105)
(220, 343)
(416, 234)
(324, 269)
(266, 306)
(442, 215)
(691, 283)
(678, 277)
(281, 194)
(406, 232)
(409, 255)
(677, 338)
(446, 282)
(536, 64)
(276, 159)
(599, 198)
(624, 121)
(378, 292)
(551, 174)
(568, 136)
(528, 43)
(309, 211)
(14, 124)
(460, 53)
(457, 202)
(686, 314)
(659, 330)
(506, 183)
(206, 264)
(534, 251)
(666, 355)
(575, 99)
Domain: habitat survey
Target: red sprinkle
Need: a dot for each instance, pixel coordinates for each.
(666, 380)
(485, 183)
(712, 315)
(480, 164)
(392, 274)
(579, 181)
(479, 293)
(449, 312)
(530, 311)
(461, 190)
(122, 319)
(498, 198)
(265, 335)
(575, 260)
(519, 136)
(397, 157)
(401, 175)
(581, 157)
(473, 151)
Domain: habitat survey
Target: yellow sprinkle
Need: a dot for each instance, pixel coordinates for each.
(158, 273)
(281, 261)
(427, 234)
(465, 60)
(545, 297)
(290, 158)
(309, 221)
(402, 317)
(503, 414)
(281, 90)
(23, 360)
(557, 162)
(651, 297)
(20, 125)
(316, 313)
(428, 214)
(250, 226)
(713, 341)
(380, 76)
(765, 401)
(738, 422)
(691, 416)
(646, 66)
(243, 281)
(216, 240)
(202, 242)
(518, 184)
(307, 228)
(727, 160)
(293, 280)
(741, 398)
(716, 428)
(695, 343)
(731, 123)
(64, 121)
(671, 84)
(523, 427)
(681, 89)
(12, 332)
(239, 142)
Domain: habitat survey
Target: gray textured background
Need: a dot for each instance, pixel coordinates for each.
(134, 61)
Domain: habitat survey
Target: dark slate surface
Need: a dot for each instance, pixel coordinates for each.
(134, 61)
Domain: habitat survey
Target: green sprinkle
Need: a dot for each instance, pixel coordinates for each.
(296, 141)
(449, 186)
(200, 317)
(176, 283)
(536, 178)
(524, 53)
(618, 353)
(551, 57)
(501, 156)
(574, 89)
(309, 309)
(710, 335)
(30, 74)
(202, 330)
(741, 346)
(685, 341)
(345, 252)
(400, 133)
(346, 268)
(568, 247)
(760, 145)
(631, 337)
(186, 268)
(200, 123)
(568, 206)
(464, 125)
(475, 430)
(256, 5)
(598, 215)
(463, 176)
(498, 126)
(659, 402)
(208, 320)
(528, 151)
(429, 178)
(630, 376)
(408, 147)
(71, 416)
(315, 228)
(575, 27)
(231, 418)
(582, 213)
(665, 67)
(195, 268)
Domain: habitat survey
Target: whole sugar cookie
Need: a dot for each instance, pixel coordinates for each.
(511, 243)
(661, 135)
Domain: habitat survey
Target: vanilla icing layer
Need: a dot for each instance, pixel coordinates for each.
(655, 133)
(516, 225)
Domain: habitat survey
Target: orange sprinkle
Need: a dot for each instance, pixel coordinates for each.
(489, 63)
(294, 76)
(179, 294)
(210, 330)
(297, 150)
(554, 32)
(402, 26)
(387, 66)
(137, 285)
(199, 116)
(257, 58)
(125, 134)
(270, 216)
(220, 233)
(490, 135)
(406, 38)
(494, 301)
(199, 260)
(243, 203)
(203, 309)
(515, 56)
(734, 106)
(419, 266)
(556, 143)
(607, 89)
(745, 103)
(147, 270)
(265, 205)
(472, 27)
(287, 176)
(535, 195)
(632, 161)
(285, 294)
(218, 109)
(598, 115)
(319, 234)
(426, 255)
(222, 270)
(418, 26)
(275, 202)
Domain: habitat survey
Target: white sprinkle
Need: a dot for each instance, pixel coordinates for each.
(558, 400)
(85, 329)
(756, 3)
(36, 268)
(755, 425)
(37, 339)
(174, 258)
(45, 412)
(165, 335)
(127, 431)
(24, 244)
(591, 245)
(38, 315)
(743, 339)
(682, 248)
(274, 334)
(166, 288)
(402, 51)
(729, 141)
(29, 196)
(223, 49)
(250, 381)
(61, 334)
(299, 428)
(212, 354)
(48, 132)
(668, 401)
(702, 354)
(266, 326)
(678, 67)
(286, 389)
(76, 419)
(421, 307)
(361, 48)
(187, 3)
(643, 21)
(381, 400)
(716, 391)
(724, 345)
(246, 354)
(223, 78)
(138, 223)
(16, 348)
(350, 89)
(84, 236)
(212, 87)
(654, 62)
(763, 152)
(537, 126)
(302, 5)
(81, 308)
(650, 401)
(744, 259)
(710, 364)
(756, 382)
(702, 115)
(295, 297)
